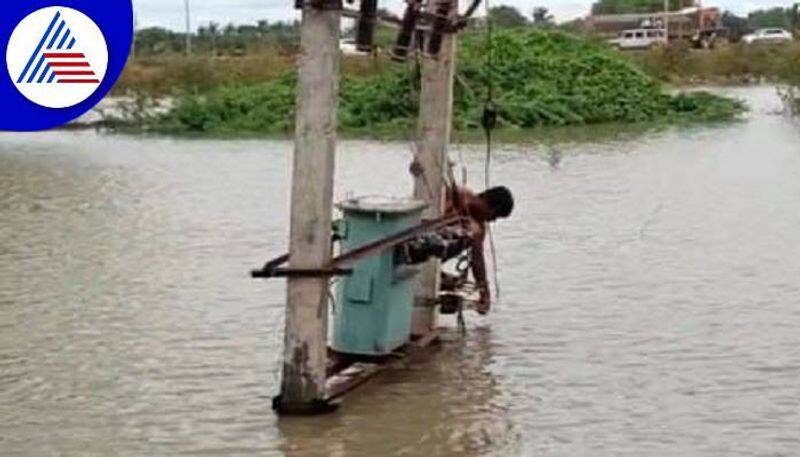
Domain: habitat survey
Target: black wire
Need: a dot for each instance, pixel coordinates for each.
(488, 162)
(489, 121)
(489, 53)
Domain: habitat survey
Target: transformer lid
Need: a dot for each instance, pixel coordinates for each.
(382, 204)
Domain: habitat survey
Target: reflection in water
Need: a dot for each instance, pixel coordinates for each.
(554, 158)
(649, 299)
(436, 405)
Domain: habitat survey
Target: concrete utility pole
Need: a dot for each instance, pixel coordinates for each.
(305, 343)
(188, 29)
(133, 42)
(435, 119)
(666, 21)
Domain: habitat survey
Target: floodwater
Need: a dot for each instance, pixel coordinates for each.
(650, 300)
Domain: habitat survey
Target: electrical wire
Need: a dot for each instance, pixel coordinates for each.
(490, 114)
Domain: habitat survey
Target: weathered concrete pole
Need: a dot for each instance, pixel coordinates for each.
(435, 121)
(305, 342)
(188, 28)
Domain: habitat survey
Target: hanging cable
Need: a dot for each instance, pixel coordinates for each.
(489, 123)
(489, 119)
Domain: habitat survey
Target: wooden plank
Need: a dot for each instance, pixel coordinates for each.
(350, 378)
(352, 375)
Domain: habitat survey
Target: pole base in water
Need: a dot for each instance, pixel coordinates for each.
(312, 408)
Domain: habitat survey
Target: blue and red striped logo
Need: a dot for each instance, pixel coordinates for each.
(61, 58)
(56, 59)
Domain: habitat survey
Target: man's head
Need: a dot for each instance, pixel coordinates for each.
(499, 201)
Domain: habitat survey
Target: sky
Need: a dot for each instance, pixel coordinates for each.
(170, 13)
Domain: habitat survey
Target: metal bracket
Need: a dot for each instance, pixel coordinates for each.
(301, 272)
(272, 269)
(319, 4)
(342, 265)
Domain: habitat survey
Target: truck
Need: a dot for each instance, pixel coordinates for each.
(701, 27)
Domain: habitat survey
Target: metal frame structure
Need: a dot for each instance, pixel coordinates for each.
(309, 383)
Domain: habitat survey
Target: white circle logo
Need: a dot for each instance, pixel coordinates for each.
(57, 57)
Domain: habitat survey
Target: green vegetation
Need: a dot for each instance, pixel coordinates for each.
(732, 64)
(551, 78)
(163, 75)
(790, 93)
(213, 39)
(504, 16)
(541, 78)
(507, 16)
(791, 98)
(787, 18)
(166, 75)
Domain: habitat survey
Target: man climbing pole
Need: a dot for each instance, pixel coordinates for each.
(479, 210)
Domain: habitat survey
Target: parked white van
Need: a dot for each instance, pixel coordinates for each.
(640, 38)
(768, 36)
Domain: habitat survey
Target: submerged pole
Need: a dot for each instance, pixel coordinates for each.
(435, 121)
(305, 341)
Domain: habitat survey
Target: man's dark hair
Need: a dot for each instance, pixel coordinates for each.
(499, 200)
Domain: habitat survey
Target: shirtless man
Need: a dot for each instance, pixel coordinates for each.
(480, 209)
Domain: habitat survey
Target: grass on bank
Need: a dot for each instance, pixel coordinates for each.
(541, 78)
(728, 64)
(174, 74)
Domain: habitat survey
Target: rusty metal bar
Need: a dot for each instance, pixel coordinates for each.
(319, 4)
(370, 249)
(339, 266)
(385, 18)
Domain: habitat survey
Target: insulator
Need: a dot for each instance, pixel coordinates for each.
(442, 13)
(409, 24)
(489, 120)
(365, 29)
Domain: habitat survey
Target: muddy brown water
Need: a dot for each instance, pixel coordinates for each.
(650, 300)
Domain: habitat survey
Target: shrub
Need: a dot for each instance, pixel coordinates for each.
(541, 78)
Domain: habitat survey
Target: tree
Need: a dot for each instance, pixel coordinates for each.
(213, 33)
(773, 17)
(157, 40)
(505, 16)
(542, 17)
(216, 40)
(737, 26)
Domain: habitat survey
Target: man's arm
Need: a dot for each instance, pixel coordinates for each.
(479, 270)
